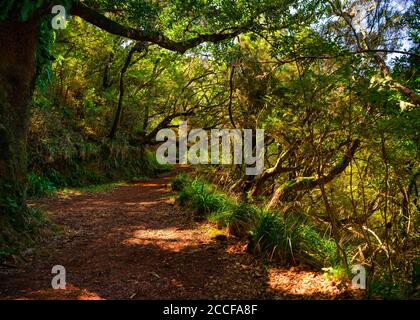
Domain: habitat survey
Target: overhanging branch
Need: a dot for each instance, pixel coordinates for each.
(92, 16)
(307, 183)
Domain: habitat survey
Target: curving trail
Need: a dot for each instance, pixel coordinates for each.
(132, 242)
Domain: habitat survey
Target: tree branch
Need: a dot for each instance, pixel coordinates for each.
(92, 16)
(306, 183)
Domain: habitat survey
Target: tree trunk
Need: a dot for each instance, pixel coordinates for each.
(17, 74)
(284, 192)
(117, 118)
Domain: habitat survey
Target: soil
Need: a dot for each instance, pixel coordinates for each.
(134, 242)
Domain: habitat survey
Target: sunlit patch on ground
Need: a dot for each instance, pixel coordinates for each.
(71, 292)
(172, 239)
(302, 284)
(132, 242)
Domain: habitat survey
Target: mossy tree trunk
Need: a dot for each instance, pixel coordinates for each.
(18, 41)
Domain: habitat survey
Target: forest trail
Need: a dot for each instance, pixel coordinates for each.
(133, 242)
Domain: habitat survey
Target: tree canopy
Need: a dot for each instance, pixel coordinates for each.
(334, 84)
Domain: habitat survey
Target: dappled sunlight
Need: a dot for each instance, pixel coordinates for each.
(171, 239)
(159, 186)
(71, 292)
(134, 243)
(298, 283)
(199, 149)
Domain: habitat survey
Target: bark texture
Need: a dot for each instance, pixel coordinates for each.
(17, 74)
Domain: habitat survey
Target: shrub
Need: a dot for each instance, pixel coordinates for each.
(291, 239)
(272, 237)
(185, 195)
(57, 178)
(315, 248)
(23, 230)
(284, 238)
(151, 165)
(241, 219)
(205, 200)
(179, 182)
(39, 186)
(202, 197)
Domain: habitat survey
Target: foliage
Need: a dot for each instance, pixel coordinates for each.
(202, 197)
(289, 240)
(39, 186)
(240, 219)
(179, 182)
(91, 188)
(24, 230)
(317, 76)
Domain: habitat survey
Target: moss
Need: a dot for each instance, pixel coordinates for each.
(28, 229)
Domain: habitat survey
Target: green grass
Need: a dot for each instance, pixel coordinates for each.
(39, 186)
(316, 248)
(179, 182)
(204, 198)
(91, 189)
(238, 218)
(291, 239)
(84, 177)
(285, 239)
(337, 273)
(270, 236)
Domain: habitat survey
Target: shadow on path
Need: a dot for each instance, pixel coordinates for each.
(132, 242)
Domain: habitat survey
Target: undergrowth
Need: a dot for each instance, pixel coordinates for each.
(92, 176)
(22, 227)
(21, 230)
(287, 239)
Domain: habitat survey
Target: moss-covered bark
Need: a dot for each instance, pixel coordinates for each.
(18, 42)
(284, 192)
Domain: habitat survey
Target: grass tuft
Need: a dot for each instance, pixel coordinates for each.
(287, 239)
(179, 182)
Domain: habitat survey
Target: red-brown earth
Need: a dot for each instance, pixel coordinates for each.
(133, 242)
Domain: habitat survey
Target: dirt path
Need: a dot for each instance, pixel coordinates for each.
(132, 242)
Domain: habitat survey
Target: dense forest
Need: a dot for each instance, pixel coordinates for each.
(334, 84)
